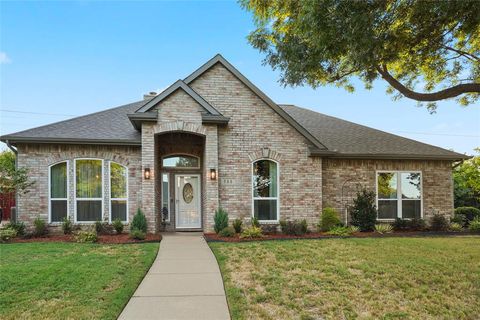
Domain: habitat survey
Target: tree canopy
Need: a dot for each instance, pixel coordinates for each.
(425, 50)
(466, 179)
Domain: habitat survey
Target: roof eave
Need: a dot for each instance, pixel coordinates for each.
(37, 140)
(137, 118)
(219, 120)
(383, 156)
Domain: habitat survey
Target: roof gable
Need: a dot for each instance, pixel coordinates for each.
(291, 121)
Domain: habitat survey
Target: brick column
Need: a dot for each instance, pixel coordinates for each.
(210, 196)
(148, 186)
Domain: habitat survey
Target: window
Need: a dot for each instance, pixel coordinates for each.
(88, 190)
(118, 192)
(165, 197)
(58, 192)
(265, 190)
(181, 162)
(399, 195)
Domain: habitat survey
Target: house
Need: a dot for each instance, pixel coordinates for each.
(215, 140)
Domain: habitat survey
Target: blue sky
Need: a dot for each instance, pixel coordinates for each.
(73, 58)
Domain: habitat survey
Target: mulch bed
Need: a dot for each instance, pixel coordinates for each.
(107, 239)
(213, 237)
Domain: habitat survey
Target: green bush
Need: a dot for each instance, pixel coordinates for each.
(383, 228)
(237, 225)
(474, 225)
(137, 234)
(295, 228)
(461, 219)
(7, 234)
(470, 213)
(416, 224)
(329, 219)
(363, 211)
(19, 227)
(252, 232)
(340, 231)
(139, 221)
(86, 236)
(220, 220)
(354, 229)
(455, 227)
(117, 225)
(40, 227)
(103, 227)
(67, 226)
(227, 232)
(439, 223)
(255, 222)
(400, 224)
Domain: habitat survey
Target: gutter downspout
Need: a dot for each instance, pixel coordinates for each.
(15, 151)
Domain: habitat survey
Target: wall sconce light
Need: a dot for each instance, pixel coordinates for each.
(213, 174)
(146, 173)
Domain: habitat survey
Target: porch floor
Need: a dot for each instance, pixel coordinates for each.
(184, 282)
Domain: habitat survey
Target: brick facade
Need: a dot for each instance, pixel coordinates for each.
(255, 131)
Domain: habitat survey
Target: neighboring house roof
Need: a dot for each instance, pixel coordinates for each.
(351, 140)
(329, 136)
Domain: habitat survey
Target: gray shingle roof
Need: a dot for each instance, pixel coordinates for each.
(348, 139)
(351, 139)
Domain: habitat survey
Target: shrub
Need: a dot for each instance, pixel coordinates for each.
(251, 232)
(354, 229)
(416, 224)
(255, 222)
(461, 219)
(19, 227)
(295, 228)
(67, 226)
(40, 227)
(328, 220)
(439, 223)
(269, 228)
(103, 227)
(470, 213)
(139, 221)
(455, 226)
(363, 211)
(400, 224)
(237, 225)
(383, 228)
(118, 225)
(340, 231)
(7, 234)
(227, 232)
(86, 236)
(220, 220)
(137, 234)
(474, 225)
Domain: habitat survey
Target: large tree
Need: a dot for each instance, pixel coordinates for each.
(466, 179)
(425, 50)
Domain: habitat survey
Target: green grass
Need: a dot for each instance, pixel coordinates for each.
(69, 280)
(390, 278)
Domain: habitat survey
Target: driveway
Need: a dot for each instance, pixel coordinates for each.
(184, 282)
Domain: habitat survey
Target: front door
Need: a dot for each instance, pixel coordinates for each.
(187, 198)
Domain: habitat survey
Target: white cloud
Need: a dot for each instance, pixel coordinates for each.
(4, 59)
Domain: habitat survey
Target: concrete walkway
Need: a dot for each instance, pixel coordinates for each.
(184, 282)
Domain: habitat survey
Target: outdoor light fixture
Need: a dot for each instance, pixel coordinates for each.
(213, 174)
(146, 173)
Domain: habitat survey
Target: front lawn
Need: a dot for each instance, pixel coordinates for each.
(389, 278)
(69, 280)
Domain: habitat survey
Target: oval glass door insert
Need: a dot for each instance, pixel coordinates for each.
(187, 193)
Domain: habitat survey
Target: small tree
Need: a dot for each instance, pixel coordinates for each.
(220, 220)
(139, 222)
(364, 211)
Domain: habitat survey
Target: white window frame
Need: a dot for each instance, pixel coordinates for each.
(181, 155)
(399, 192)
(266, 198)
(87, 199)
(50, 191)
(168, 196)
(110, 189)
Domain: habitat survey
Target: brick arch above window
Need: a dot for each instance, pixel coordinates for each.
(180, 126)
(264, 153)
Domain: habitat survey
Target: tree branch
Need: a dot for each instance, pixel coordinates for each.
(463, 53)
(434, 96)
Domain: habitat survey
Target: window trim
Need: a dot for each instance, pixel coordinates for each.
(110, 189)
(168, 196)
(399, 193)
(181, 155)
(50, 192)
(265, 198)
(87, 199)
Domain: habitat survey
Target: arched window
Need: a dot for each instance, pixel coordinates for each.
(118, 192)
(181, 161)
(265, 178)
(58, 181)
(88, 190)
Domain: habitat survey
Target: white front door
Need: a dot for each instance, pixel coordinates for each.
(187, 196)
